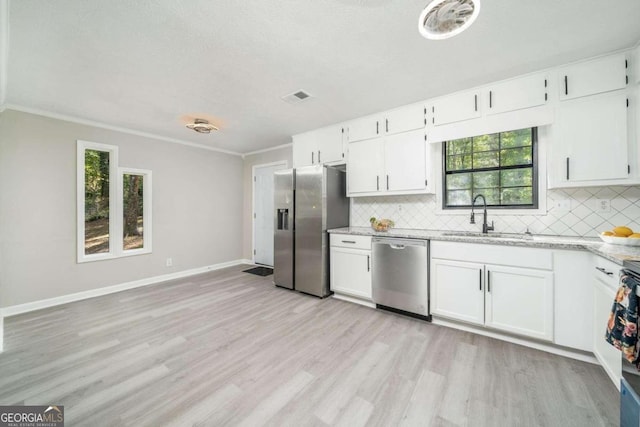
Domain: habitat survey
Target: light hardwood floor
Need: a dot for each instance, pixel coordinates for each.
(228, 348)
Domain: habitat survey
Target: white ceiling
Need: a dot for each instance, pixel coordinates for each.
(145, 64)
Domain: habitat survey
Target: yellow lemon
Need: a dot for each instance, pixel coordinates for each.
(608, 233)
(634, 236)
(623, 231)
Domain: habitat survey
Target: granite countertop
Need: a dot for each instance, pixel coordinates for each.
(615, 253)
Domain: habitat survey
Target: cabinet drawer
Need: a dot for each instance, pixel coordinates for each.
(494, 254)
(607, 272)
(351, 241)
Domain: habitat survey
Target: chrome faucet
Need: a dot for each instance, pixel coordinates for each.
(485, 227)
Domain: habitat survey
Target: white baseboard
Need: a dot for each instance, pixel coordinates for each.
(549, 348)
(64, 299)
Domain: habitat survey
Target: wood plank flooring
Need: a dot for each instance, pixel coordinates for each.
(228, 348)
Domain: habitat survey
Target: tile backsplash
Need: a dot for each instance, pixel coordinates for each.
(582, 219)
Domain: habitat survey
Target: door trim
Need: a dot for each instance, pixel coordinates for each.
(284, 163)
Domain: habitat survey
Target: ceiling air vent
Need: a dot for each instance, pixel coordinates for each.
(442, 19)
(296, 97)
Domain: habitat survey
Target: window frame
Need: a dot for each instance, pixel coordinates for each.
(82, 147)
(535, 184)
(147, 200)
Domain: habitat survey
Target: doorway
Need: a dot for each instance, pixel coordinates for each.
(263, 215)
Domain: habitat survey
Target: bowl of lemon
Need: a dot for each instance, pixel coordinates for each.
(621, 236)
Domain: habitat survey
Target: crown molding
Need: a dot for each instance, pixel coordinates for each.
(264, 150)
(101, 125)
(4, 50)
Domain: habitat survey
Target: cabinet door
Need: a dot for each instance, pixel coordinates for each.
(597, 76)
(329, 143)
(520, 301)
(607, 354)
(365, 167)
(405, 161)
(351, 272)
(457, 107)
(365, 128)
(516, 94)
(592, 135)
(457, 290)
(404, 119)
(304, 150)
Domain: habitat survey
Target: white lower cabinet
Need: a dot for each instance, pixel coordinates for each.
(520, 301)
(604, 292)
(351, 265)
(456, 290)
(511, 298)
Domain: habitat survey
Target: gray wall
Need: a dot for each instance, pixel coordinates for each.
(277, 155)
(197, 197)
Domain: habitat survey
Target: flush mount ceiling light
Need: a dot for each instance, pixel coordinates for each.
(201, 126)
(442, 19)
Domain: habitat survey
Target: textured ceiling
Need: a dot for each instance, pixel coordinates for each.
(145, 64)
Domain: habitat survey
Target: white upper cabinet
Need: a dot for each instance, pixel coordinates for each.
(592, 77)
(365, 167)
(455, 108)
(591, 139)
(320, 146)
(403, 119)
(364, 128)
(395, 164)
(404, 158)
(517, 94)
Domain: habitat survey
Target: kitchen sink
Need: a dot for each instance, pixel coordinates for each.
(489, 235)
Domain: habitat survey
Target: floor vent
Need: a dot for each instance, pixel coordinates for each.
(296, 97)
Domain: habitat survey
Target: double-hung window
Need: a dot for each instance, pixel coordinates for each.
(501, 166)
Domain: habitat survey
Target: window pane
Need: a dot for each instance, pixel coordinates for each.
(515, 138)
(459, 198)
(456, 163)
(517, 196)
(516, 177)
(133, 208)
(459, 181)
(96, 201)
(486, 142)
(491, 194)
(516, 156)
(489, 159)
(459, 146)
(486, 179)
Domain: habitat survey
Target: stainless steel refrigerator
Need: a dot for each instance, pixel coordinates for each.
(308, 202)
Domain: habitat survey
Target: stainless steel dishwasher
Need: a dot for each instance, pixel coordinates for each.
(400, 275)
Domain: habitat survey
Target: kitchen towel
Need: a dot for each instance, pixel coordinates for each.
(622, 327)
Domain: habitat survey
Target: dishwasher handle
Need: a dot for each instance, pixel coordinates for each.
(396, 246)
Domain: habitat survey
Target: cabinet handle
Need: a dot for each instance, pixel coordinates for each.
(312, 158)
(387, 182)
(377, 127)
(377, 182)
(480, 278)
(386, 125)
(602, 270)
(488, 280)
(368, 263)
(490, 99)
(476, 101)
(567, 169)
(349, 241)
(566, 85)
(318, 156)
